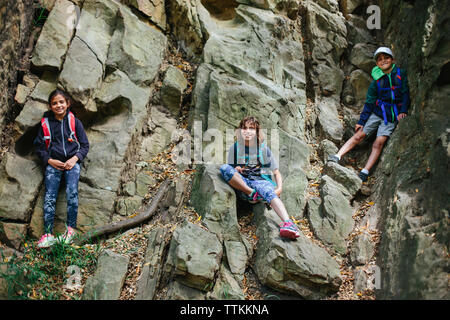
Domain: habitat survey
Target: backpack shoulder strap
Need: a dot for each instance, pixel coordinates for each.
(71, 120)
(235, 153)
(46, 129)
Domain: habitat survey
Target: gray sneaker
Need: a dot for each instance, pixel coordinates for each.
(333, 158)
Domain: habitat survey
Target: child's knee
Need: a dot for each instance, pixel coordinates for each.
(225, 168)
(227, 172)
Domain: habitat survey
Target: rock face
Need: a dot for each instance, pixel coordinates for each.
(106, 63)
(413, 259)
(108, 279)
(15, 22)
(303, 69)
(299, 266)
(194, 256)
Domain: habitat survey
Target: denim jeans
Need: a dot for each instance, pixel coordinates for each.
(265, 188)
(52, 180)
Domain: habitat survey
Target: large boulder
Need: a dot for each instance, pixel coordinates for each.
(136, 48)
(215, 201)
(173, 86)
(329, 124)
(20, 180)
(56, 36)
(107, 282)
(297, 267)
(330, 216)
(343, 175)
(194, 256)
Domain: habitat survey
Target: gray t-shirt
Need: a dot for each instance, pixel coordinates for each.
(248, 157)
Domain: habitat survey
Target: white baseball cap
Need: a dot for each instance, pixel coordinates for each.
(385, 50)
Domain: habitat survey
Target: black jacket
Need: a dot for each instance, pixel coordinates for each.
(60, 147)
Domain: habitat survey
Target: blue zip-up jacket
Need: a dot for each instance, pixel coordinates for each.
(401, 95)
(60, 147)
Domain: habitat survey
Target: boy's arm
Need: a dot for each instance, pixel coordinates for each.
(40, 148)
(82, 140)
(371, 99)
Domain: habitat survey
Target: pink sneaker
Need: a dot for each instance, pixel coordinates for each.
(289, 230)
(67, 236)
(46, 241)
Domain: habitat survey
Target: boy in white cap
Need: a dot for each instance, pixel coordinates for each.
(387, 102)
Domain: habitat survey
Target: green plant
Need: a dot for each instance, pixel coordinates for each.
(42, 273)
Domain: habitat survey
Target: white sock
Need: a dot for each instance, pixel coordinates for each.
(365, 171)
(337, 156)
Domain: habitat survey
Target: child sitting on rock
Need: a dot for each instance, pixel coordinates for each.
(249, 169)
(386, 104)
(61, 144)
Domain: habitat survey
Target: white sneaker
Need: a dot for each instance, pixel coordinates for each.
(68, 236)
(46, 241)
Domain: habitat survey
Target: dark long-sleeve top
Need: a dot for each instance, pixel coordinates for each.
(402, 99)
(60, 147)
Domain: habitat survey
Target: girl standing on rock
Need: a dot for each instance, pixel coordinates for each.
(61, 144)
(249, 169)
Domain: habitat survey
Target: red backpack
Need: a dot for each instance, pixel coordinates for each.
(48, 135)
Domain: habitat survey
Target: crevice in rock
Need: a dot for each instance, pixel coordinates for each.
(221, 9)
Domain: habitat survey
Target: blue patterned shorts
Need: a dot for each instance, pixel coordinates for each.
(52, 180)
(265, 188)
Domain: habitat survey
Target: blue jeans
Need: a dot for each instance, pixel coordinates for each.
(52, 180)
(265, 188)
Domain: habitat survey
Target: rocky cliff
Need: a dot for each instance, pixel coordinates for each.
(160, 84)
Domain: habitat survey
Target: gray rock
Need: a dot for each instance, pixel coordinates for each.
(185, 23)
(194, 256)
(360, 82)
(152, 269)
(327, 148)
(294, 192)
(108, 279)
(22, 93)
(13, 234)
(226, 287)
(362, 249)
(178, 291)
(287, 7)
(55, 36)
(30, 115)
(173, 86)
(343, 175)
(44, 87)
(328, 120)
(215, 201)
(362, 56)
(124, 103)
(331, 217)
(127, 206)
(143, 183)
(18, 176)
(82, 71)
(136, 48)
(296, 267)
(360, 282)
(237, 256)
(154, 9)
(163, 127)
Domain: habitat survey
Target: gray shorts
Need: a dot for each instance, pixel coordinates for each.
(375, 122)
